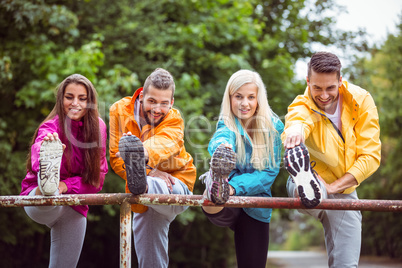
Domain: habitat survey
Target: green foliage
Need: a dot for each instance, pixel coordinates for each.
(304, 234)
(209, 245)
(380, 75)
(295, 232)
(116, 45)
(54, 68)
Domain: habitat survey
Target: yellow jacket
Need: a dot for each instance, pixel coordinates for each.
(164, 143)
(356, 149)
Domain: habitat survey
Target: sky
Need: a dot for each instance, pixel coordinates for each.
(377, 17)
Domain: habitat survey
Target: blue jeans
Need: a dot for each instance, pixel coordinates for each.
(151, 228)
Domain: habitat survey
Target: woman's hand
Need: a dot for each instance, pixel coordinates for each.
(232, 190)
(53, 137)
(62, 187)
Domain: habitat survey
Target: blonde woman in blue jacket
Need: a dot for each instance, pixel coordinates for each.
(246, 151)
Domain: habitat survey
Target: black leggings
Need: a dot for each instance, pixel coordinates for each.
(251, 236)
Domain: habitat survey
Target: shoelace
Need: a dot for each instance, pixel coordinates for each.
(149, 167)
(204, 177)
(312, 165)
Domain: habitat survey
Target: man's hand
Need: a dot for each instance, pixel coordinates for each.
(340, 185)
(327, 186)
(169, 179)
(292, 140)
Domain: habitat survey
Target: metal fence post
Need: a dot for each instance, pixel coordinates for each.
(125, 235)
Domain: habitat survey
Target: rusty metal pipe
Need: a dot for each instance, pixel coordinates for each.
(197, 200)
(125, 235)
(125, 200)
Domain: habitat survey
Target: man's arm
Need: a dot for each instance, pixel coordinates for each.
(341, 184)
(298, 123)
(115, 134)
(368, 144)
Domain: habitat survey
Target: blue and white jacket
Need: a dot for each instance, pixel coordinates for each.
(246, 180)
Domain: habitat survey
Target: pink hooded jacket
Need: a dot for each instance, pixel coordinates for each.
(72, 179)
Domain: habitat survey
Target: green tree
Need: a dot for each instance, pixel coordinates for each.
(380, 75)
(36, 54)
(116, 45)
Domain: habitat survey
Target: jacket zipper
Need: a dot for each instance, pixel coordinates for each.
(335, 127)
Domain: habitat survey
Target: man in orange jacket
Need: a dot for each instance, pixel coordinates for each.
(334, 124)
(147, 150)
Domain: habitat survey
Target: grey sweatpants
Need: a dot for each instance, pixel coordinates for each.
(151, 228)
(67, 232)
(342, 229)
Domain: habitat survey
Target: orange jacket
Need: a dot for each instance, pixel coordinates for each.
(164, 143)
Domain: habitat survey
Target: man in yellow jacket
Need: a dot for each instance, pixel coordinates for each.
(147, 150)
(335, 125)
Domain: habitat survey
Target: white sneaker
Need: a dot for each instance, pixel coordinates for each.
(207, 180)
(50, 156)
(297, 163)
(223, 161)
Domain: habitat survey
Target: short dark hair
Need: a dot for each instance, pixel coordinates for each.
(160, 79)
(324, 62)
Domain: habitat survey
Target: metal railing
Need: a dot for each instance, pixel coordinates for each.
(125, 201)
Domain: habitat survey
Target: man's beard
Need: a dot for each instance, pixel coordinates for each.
(148, 120)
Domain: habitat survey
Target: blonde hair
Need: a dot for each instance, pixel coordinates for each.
(260, 130)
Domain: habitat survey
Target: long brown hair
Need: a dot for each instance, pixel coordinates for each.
(91, 140)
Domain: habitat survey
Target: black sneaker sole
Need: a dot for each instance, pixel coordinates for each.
(222, 163)
(132, 152)
(297, 163)
(50, 156)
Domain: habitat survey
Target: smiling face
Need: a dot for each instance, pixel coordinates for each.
(244, 102)
(75, 101)
(324, 90)
(156, 103)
